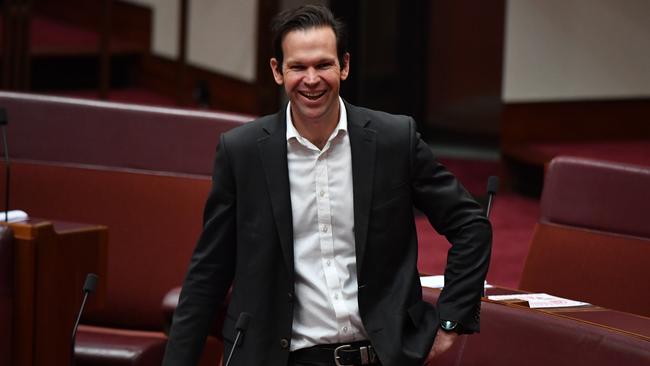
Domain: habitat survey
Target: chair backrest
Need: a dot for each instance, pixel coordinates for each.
(592, 241)
(154, 220)
(6, 294)
(142, 171)
(70, 130)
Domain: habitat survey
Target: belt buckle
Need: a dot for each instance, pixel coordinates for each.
(336, 354)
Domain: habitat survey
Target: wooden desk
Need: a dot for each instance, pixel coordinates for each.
(51, 260)
(514, 334)
(631, 324)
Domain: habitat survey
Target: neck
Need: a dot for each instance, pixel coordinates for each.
(319, 130)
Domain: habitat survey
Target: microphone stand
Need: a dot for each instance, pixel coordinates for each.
(492, 188)
(89, 287)
(3, 123)
(240, 327)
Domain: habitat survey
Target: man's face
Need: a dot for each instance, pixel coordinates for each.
(311, 74)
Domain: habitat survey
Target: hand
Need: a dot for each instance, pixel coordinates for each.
(444, 341)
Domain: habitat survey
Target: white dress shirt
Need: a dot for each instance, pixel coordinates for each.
(326, 308)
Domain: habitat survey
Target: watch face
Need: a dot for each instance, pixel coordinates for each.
(448, 325)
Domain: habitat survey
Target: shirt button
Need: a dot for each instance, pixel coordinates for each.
(336, 296)
(284, 343)
(322, 193)
(345, 329)
(328, 262)
(324, 228)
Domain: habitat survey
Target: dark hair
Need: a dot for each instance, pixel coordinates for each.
(303, 18)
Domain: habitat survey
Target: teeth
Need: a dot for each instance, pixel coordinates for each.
(312, 94)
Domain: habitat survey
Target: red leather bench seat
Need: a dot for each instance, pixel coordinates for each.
(142, 171)
(592, 242)
(512, 335)
(69, 130)
(101, 346)
(153, 219)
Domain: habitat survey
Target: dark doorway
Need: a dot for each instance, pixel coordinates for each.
(388, 47)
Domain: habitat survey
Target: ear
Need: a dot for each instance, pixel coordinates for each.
(345, 70)
(275, 69)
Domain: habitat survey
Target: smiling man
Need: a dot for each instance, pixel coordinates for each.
(310, 220)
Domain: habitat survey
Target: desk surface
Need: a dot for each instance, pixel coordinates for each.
(59, 226)
(632, 324)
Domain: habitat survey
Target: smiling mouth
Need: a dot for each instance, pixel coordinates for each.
(312, 95)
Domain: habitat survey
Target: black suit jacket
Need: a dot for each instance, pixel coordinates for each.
(247, 241)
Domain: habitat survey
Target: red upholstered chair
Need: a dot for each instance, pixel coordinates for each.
(6, 294)
(516, 335)
(592, 241)
(144, 172)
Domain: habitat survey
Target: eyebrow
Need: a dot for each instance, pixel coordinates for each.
(317, 62)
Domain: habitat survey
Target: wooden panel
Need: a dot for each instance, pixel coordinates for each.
(564, 122)
(465, 66)
(131, 24)
(51, 266)
(24, 297)
(129, 21)
(180, 81)
(575, 121)
(387, 41)
(226, 93)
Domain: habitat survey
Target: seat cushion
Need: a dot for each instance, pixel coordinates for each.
(101, 346)
(98, 346)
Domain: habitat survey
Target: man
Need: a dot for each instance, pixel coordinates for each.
(310, 220)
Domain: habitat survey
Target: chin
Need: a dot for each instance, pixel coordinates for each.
(312, 113)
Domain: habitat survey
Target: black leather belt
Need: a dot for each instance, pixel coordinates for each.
(341, 354)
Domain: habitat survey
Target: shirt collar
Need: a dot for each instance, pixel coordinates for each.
(341, 126)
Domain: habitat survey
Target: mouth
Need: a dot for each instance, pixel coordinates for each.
(312, 95)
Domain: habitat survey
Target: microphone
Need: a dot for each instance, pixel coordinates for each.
(240, 328)
(492, 188)
(89, 287)
(3, 122)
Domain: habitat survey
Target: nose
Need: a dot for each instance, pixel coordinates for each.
(311, 76)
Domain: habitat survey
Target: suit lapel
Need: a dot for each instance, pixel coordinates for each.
(273, 153)
(363, 147)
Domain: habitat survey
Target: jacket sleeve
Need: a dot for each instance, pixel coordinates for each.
(211, 269)
(453, 212)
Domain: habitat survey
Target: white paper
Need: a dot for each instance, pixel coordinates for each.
(432, 281)
(438, 282)
(538, 301)
(14, 216)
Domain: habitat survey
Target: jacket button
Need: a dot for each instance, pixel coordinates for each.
(284, 343)
(290, 296)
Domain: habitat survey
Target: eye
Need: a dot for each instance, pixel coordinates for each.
(324, 65)
(296, 67)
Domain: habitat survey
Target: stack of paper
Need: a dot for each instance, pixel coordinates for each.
(14, 216)
(438, 282)
(540, 300)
